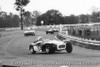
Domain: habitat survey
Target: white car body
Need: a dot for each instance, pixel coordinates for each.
(29, 32)
(58, 43)
(55, 45)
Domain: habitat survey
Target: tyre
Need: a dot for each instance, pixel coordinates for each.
(49, 49)
(46, 32)
(69, 47)
(33, 34)
(32, 49)
(25, 35)
(52, 32)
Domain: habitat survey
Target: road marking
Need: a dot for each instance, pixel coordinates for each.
(9, 44)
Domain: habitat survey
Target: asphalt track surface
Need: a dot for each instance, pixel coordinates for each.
(14, 51)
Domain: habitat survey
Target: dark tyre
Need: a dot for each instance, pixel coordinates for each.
(46, 32)
(52, 32)
(49, 49)
(69, 47)
(33, 34)
(32, 49)
(25, 35)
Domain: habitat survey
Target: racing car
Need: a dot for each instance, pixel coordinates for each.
(55, 30)
(29, 32)
(50, 46)
(51, 31)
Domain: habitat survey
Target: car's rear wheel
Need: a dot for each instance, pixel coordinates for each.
(32, 49)
(52, 32)
(69, 47)
(33, 34)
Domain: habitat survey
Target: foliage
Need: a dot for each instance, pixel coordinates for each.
(22, 2)
(84, 18)
(95, 17)
(19, 7)
(27, 19)
(55, 17)
(10, 20)
(50, 17)
(71, 19)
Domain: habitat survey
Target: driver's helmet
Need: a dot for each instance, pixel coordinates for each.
(39, 38)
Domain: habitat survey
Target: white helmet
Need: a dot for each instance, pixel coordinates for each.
(39, 38)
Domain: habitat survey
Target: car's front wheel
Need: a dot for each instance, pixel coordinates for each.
(69, 47)
(25, 35)
(47, 50)
(46, 32)
(32, 49)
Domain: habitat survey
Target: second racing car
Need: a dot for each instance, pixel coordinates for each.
(29, 32)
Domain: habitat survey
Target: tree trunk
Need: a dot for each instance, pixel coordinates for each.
(21, 20)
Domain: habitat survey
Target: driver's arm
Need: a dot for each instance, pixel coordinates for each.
(35, 41)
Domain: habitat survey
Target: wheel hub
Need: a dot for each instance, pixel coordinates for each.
(47, 50)
(31, 50)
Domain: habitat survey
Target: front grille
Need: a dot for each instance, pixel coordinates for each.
(62, 46)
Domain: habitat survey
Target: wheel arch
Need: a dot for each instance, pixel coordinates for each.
(30, 46)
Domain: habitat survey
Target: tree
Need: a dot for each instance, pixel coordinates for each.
(95, 17)
(35, 15)
(50, 17)
(84, 18)
(54, 16)
(15, 20)
(20, 4)
(27, 18)
(8, 20)
(72, 19)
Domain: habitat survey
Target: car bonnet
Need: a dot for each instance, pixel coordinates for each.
(58, 42)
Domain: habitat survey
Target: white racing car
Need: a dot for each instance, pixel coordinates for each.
(29, 32)
(50, 46)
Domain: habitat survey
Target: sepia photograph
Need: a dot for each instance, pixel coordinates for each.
(49, 33)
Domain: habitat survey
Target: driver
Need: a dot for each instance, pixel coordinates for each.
(40, 40)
